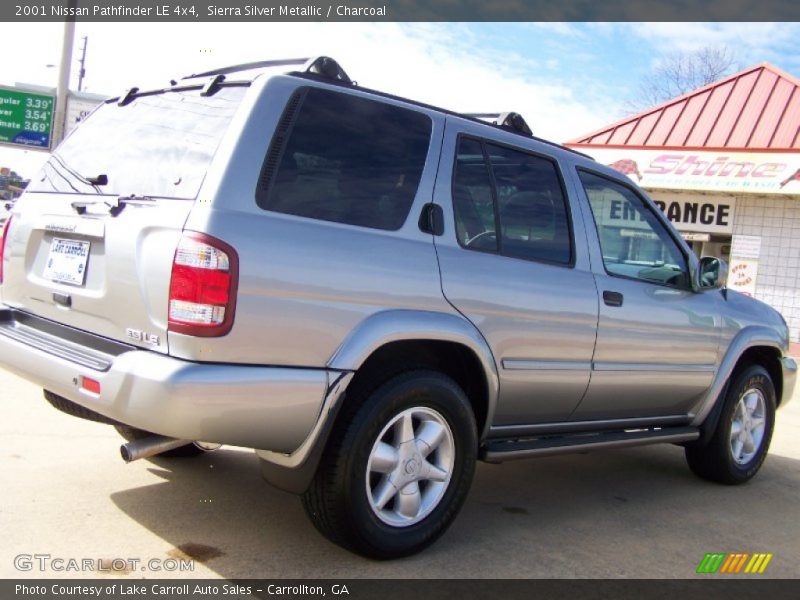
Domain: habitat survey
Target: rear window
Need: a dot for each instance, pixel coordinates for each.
(157, 145)
(346, 159)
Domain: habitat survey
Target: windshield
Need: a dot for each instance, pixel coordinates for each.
(157, 145)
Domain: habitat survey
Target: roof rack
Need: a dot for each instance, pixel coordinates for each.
(507, 120)
(261, 64)
(322, 66)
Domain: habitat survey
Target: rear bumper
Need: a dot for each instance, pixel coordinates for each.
(789, 367)
(267, 408)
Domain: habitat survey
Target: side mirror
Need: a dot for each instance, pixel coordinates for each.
(712, 274)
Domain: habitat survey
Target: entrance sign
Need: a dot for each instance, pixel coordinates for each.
(688, 212)
(703, 214)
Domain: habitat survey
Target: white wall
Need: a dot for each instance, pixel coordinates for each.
(777, 221)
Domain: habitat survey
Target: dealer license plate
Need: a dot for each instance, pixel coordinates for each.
(67, 261)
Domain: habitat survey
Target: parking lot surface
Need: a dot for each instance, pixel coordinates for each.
(619, 513)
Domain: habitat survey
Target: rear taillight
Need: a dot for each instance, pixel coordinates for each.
(202, 290)
(3, 246)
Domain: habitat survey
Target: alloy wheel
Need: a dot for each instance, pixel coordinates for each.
(410, 467)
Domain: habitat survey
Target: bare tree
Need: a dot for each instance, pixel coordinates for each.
(681, 72)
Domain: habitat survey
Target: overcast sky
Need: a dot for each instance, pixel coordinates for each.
(565, 78)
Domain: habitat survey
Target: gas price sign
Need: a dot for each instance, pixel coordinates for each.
(26, 118)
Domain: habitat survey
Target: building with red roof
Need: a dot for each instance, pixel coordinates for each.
(723, 162)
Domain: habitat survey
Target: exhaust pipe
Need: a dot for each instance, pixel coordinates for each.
(149, 446)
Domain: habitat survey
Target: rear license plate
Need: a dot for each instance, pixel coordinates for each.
(67, 261)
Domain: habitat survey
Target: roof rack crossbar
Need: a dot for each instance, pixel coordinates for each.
(321, 66)
(211, 87)
(127, 96)
(325, 66)
(261, 64)
(506, 120)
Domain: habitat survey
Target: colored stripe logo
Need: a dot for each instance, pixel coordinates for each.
(734, 563)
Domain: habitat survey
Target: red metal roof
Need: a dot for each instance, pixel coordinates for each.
(757, 109)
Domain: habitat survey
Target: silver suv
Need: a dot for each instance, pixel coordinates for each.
(373, 294)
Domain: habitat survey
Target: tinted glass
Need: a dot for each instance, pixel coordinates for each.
(634, 243)
(472, 198)
(158, 145)
(533, 213)
(350, 160)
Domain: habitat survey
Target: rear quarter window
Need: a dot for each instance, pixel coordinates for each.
(347, 159)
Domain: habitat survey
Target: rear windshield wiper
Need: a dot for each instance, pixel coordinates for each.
(94, 182)
(101, 179)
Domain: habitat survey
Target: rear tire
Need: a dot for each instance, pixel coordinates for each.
(397, 468)
(131, 434)
(739, 445)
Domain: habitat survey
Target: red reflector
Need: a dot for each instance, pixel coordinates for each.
(90, 385)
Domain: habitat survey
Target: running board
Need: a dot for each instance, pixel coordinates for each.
(501, 451)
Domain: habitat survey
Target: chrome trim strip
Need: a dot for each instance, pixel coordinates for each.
(516, 364)
(655, 367)
(509, 431)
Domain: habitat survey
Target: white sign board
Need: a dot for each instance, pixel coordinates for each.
(79, 106)
(697, 237)
(753, 172)
(746, 246)
(742, 276)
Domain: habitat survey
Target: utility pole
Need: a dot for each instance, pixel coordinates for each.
(82, 72)
(63, 83)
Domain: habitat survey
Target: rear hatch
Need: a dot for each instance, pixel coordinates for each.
(92, 240)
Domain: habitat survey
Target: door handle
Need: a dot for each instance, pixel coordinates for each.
(612, 298)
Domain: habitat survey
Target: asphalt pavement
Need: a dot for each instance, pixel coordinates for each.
(634, 513)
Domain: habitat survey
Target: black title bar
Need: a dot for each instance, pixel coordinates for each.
(152, 11)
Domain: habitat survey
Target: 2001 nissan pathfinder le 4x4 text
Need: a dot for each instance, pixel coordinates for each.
(374, 294)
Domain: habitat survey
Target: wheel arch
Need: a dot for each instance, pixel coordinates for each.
(386, 341)
(768, 357)
(752, 345)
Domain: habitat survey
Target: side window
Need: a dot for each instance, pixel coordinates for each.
(522, 192)
(634, 243)
(533, 212)
(346, 159)
(472, 198)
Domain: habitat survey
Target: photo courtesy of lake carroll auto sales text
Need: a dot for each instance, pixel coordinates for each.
(183, 590)
(305, 299)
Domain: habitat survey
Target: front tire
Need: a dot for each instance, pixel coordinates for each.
(397, 468)
(739, 446)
